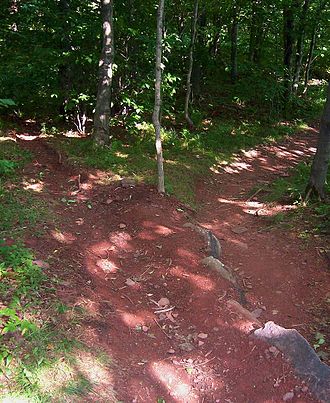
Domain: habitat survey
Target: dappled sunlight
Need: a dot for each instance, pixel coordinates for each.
(35, 186)
(132, 320)
(177, 385)
(197, 280)
(90, 306)
(107, 266)
(101, 248)
(184, 253)
(15, 399)
(257, 208)
(28, 137)
(270, 158)
(157, 228)
(121, 240)
(237, 167)
(81, 370)
(72, 134)
(55, 377)
(243, 325)
(63, 237)
(3, 139)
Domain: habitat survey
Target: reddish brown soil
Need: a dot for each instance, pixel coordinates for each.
(113, 234)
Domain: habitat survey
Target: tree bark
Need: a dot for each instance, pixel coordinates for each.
(158, 101)
(318, 176)
(64, 68)
(310, 58)
(102, 109)
(299, 48)
(312, 43)
(191, 63)
(233, 39)
(288, 39)
(257, 31)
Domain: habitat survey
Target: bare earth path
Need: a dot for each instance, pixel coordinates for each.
(124, 255)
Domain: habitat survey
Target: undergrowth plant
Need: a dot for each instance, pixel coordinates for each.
(291, 190)
(40, 360)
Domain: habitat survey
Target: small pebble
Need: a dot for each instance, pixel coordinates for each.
(288, 396)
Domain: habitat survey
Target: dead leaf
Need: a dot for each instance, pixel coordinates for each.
(202, 335)
(145, 328)
(130, 282)
(122, 225)
(171, 351)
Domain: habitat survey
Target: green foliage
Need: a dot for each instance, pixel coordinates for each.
(6, 103)
(292, 189)
(7, 167)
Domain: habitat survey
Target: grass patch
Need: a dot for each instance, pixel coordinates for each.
(314, 214)
(19, 208)
(40, 360)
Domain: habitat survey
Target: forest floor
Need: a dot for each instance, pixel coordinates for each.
(124, 256)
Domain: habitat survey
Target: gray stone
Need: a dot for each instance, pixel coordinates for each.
(304, 359)
(219, 267)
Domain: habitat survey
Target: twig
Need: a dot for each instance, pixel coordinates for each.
(165, 310)
(255, 194)
(204, 363)
(126, 296)
(222, 296)
(167, 335)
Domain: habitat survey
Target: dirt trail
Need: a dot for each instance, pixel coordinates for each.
(119, 250)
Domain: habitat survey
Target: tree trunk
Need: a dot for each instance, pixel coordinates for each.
(318, 176)
(318, 13)
(288, 38)
(310, 58)
(257, 31)
(200, 56)
(191, 63)
(233, 38)
(158, 83)
(64, 69)
(102, 109)
(299, 48)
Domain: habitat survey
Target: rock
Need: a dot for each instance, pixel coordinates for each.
(130, 282)
(163, 302)
(302, 356)
(288, 396)
(202, 335)
(122, 225)
(239, 229)
(219, 267)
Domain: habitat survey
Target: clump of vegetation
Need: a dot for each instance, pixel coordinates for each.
(292, 190)
(39, 359)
